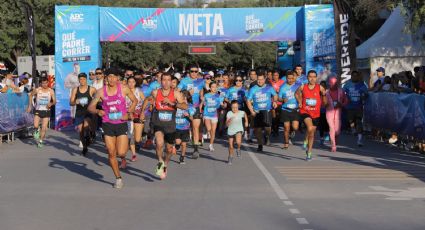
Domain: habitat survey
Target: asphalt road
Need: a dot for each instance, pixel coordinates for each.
(374, 187)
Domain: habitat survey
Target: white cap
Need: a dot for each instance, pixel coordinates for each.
(177, 75)
(211, 73)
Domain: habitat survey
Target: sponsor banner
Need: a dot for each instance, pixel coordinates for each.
(77, 49)
(13, 115)
(198, 25)
(320, 40)
(401, 113)
(345, 40)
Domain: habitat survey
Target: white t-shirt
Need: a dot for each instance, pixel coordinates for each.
(236, 125)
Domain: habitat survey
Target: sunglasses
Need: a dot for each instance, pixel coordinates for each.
(207, 78)
(239, 80)
(220, 81)
(91, 74)
(98, 73)
(194, 71)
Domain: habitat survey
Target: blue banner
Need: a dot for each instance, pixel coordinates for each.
(77, 49)
(401, 113)
(320, 46)
(13, 115)
(198, 25)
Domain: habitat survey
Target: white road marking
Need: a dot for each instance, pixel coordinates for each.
(288, 203)
(302, 220)
(294, 211)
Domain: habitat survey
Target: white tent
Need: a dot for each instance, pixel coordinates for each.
(392, 48)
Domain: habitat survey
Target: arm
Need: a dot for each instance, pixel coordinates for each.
(72, 100)
(53, 98)
(246, 120)
(132, 98)
(30, 96)
(181, 104)
(250, 107)
(228, 119)
(92, 106)
(323, 94)
(299, 96)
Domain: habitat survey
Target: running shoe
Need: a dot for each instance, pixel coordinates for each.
(181, 160)
(260, 148)
(290, 141)
(195, 154)
(163, 174)
(305, 145)
(308, 156)
(123, 164)
(147, 144)
(81, 145)
(211, 147)
(238, 152)
(327, 138)
(133, 158)
(40, 144)
(159, 169)
(118, 183)
(230, 160)
(267, 140)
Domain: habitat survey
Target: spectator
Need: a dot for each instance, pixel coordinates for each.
(386, 86)
(380, 73)
(7, 85)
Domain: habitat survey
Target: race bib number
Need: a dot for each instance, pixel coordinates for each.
(180, 121)
(84, 101)
(115, 116)
(43, 101)
(262, 106)
(211, 110)
(311, 102)
(291, 106)
(165, 116)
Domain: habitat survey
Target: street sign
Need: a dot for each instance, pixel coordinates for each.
(202, 49)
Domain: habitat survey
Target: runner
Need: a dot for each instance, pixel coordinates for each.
(300, 77)
(236, 121)
(114, 120)
(223, 88)
(195, 86)
(261, 99)
(135, 126)
(337, 99)
(276, 83)
(289, 115)
(183, 118)
(251, 82)
(211, 102)
(356, 91)
(310, 97)
(81, 97)
(166, 101)
(45, 99)
(238, 93)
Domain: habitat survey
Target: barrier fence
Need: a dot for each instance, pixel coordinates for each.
(401, 113)
(13, 115)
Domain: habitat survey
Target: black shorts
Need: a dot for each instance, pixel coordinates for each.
(354, 115)
(170, 138)
(289, 116)
(80, 119)
(183, 135)
(42, 113)
(115, 130)
(197, 114)
(316, 121)
(262, 119)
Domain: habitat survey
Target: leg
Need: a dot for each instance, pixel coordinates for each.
(212, 133)
(183, 147)
(331, 122)
(138, 129)
(259, 135)
(44, 124)
(207, 123)
(169, 151)
(159, 141)
(287, 126)
(231, 148)
(111, 146)
(239, 140)
(311, 129)
(195, 127)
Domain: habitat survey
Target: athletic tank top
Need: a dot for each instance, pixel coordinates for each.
(85, 99)
(311, 102)
(139, 104)
(164, 115)
(42, 100)
(114, 106)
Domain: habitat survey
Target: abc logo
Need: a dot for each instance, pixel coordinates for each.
(76, 18)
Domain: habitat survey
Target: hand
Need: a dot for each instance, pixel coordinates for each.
(192, 91)
(166, 101)
(253, 114)
(77, 101)
(49, 105)
(142, 116)
(125, 117)
(130, 116)
(186, 114)
(274, 105)
(101, 113)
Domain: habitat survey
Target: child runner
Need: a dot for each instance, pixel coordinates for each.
(234, 122)
(183, 118)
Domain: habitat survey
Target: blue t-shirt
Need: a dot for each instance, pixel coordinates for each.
(222, 91)
(182, 121)
(302, 80)
(197, 85)
(261, 97)
(238, 94)
(152, 86)
(211, 103)
(288, 92)
(354, 92)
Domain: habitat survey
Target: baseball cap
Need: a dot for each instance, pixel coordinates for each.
(380, 69)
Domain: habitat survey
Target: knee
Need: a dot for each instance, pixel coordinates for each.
(310, 130)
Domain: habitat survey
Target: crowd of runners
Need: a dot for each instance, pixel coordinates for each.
(173, 111)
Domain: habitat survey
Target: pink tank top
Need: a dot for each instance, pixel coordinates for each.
(114, 106)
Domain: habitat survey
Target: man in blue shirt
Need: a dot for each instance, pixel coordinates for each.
(300, 78)
(289, 114)
(261, 100)
(194, 84)
(356, 91)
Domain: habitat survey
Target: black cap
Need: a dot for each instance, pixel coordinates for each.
(84, 75)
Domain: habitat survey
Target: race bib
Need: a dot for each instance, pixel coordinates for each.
(195, 90)
(211, 110)
(165, 116)
(180, 121)
(311, 102)
(262, 106)
(355, 99)
(115, 116)
(291, 106)
(84, 101)
(43, 101)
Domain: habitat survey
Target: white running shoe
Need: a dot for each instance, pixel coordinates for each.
(118, 183)
(211, 148)
(81, 145)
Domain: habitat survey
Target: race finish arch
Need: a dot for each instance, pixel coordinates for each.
(80, 29)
